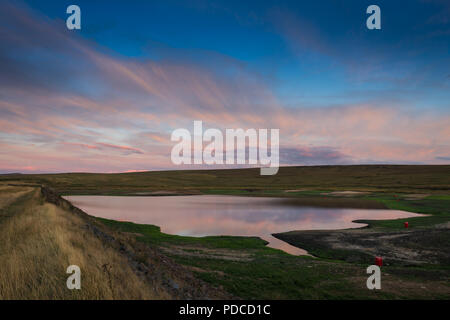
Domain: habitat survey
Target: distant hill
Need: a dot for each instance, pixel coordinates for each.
(392, 178)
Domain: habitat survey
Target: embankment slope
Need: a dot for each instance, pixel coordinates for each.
(41, 234)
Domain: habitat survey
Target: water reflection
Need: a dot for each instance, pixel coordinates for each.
(227, 215)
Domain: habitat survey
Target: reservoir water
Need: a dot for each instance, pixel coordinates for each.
(209, 215)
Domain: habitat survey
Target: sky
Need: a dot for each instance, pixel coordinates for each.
(106, 98)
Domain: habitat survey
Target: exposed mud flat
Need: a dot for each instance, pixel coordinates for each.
(409, 247)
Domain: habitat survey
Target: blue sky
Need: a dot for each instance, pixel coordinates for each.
(338, 55)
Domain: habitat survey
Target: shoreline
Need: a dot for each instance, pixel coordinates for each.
(299, 250)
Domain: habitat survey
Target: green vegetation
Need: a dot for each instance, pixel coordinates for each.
(153, 235)
(437, 208)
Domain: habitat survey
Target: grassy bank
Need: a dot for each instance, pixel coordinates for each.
(41, 235)
(38, 241)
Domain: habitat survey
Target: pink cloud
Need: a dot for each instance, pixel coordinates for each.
(83, 145)
(126, 148)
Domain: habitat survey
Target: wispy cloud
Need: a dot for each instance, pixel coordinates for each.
(123, 148)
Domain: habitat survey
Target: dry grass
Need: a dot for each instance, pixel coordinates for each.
(39, 240)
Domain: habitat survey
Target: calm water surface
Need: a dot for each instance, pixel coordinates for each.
(227, 215)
